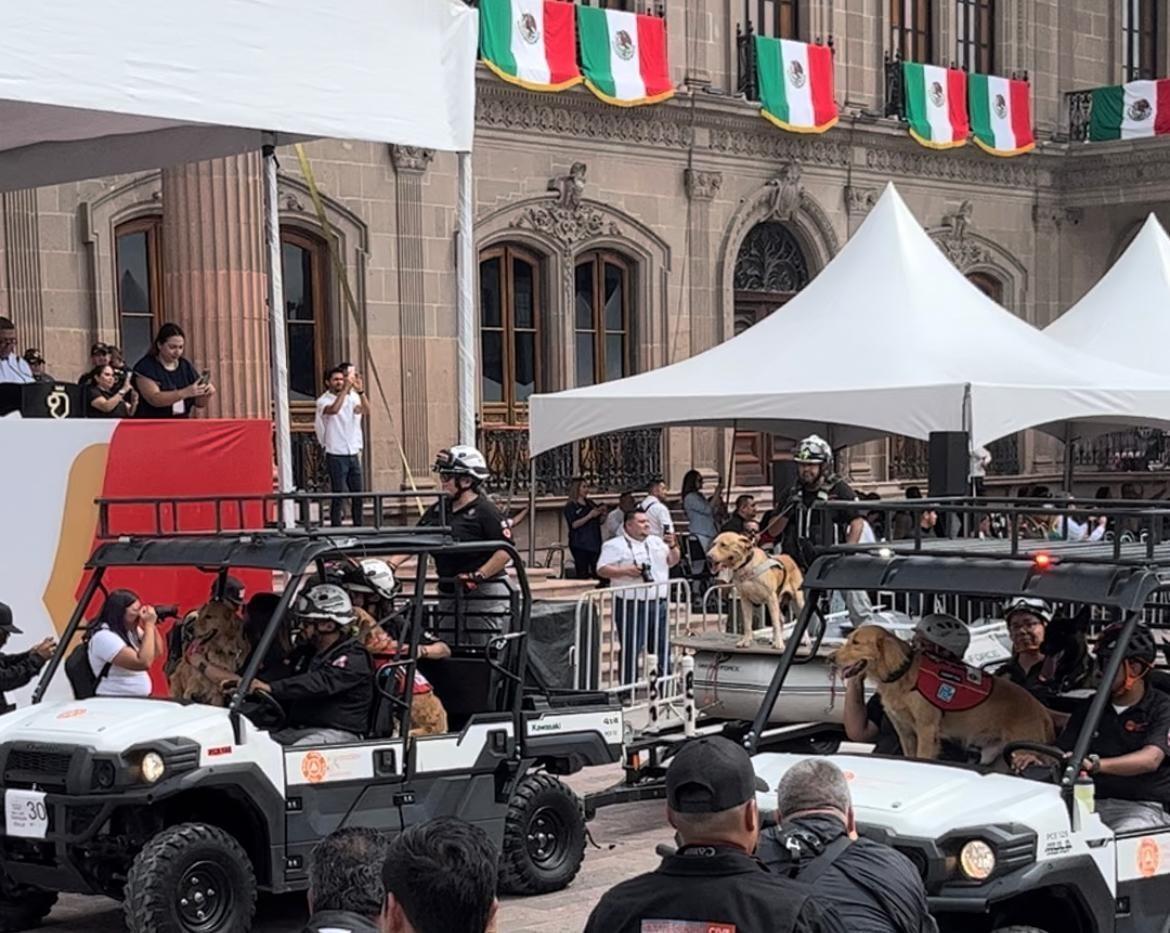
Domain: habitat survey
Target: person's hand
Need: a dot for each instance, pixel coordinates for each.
(44, 649)
(634, 571)
(356, 381)
(670, 539)
(258, 684)
(147, 615)
(1023, 760)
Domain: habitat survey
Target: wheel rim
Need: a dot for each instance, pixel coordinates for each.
(548, 839)
(204, 899)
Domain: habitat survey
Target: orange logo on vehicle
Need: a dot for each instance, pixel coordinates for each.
(71, 713)
(849, 775)
(1149, 858)
(314, 767)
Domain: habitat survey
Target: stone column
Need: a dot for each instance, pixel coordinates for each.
(410, 164)
(22, 268)
(215, 277)
(702, 188)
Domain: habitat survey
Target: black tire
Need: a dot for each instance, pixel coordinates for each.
(23, 907)
(188, 869)
(544, 837)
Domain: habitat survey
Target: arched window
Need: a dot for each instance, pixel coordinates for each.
(304, 263)
(601, 312)
(511, 305)
(912, 30)
(975, 35)
(138, 254)
(988, 284)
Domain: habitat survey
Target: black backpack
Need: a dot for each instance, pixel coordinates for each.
(80, 673)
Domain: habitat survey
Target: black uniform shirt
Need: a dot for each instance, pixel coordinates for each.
(711, 889)
(808, 525)
(334, 691)
(1147, 722)
(479, 520)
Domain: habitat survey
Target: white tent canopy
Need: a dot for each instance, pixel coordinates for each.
(1125, 317)
(889, 338)
(90, 89)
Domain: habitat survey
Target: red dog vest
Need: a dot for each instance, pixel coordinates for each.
(951, 686)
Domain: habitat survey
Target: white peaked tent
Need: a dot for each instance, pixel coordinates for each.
(1125, 317)
(888, 338)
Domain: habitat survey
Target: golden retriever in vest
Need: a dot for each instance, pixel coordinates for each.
(428, 716)
(759, 580)
(217, 633)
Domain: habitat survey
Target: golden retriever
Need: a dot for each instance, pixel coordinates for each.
(1008, 713)
(217, 633)
(428, 716)
(759, 580)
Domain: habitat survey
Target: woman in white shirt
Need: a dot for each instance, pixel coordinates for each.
(124, 644)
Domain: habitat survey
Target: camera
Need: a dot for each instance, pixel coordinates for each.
(169, 611)
(647, 573)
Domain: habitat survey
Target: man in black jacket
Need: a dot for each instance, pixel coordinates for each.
(345, 882)
(874, 888)
(713, 882)
(16, 670)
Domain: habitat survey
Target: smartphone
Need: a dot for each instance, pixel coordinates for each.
(205, 377)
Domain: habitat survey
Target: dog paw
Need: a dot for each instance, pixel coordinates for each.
(745, 642)
(778, 645)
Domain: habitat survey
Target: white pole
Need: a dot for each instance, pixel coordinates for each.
(279, 348)
(465, 304)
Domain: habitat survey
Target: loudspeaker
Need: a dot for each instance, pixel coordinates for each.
(949, 465)
(783, 479)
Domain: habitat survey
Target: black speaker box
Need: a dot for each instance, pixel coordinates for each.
(949, 465)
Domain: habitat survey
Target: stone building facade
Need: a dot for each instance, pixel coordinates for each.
(611, 240)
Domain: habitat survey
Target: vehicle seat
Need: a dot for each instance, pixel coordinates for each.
(465, 685)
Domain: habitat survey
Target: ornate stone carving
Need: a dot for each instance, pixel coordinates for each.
(860, 200)
(702, 186)
(411, 158)
(891, 161)
(784, 193)
(959, 219)
(566, 226)
(290, 202)
(772, 145)
(569, 188)
(770, 260)
(952, 238)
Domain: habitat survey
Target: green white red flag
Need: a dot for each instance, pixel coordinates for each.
(1001, 114)
(624, 56)
(532, 43)
(796, 84)
(936, 105)
(1130, 111)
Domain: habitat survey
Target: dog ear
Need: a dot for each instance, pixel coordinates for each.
(890, 650)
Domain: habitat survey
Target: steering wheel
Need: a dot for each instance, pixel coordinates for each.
(1058, 755)
(266, 705)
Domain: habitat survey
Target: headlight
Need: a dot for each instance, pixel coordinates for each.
(152, 768)
(977, 860)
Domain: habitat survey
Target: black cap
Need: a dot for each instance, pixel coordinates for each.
(33, 356)
(710, 775)
(6, 621)
(233, 591)
(98, 349)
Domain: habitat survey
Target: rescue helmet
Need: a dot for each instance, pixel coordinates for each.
(814, 449)
(462, 460)
(325, 602)
(944, 631)
(372, 575)
(1040, 608)
(1141, 647)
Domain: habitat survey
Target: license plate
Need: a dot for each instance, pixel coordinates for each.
(25, 814)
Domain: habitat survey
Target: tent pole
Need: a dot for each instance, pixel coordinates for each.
(730, 471)
(1069, 451)
(277, 334)
(465, 303)
(532, 511)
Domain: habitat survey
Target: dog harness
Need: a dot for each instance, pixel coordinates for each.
(769, 564)
(951, 686)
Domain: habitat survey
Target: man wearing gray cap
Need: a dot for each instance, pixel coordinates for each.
(713, 882)
(16, 670)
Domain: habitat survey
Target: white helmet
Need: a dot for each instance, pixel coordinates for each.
(1040, 608)
(814, 449)
(462, 460)
(378, 578)
(946, 632)
(325, 601)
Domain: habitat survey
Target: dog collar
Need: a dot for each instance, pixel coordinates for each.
(901, 671)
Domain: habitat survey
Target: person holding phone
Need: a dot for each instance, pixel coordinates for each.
(166, 380)
(105, 398)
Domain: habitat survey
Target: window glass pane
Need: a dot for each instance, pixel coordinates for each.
(614, 298)
(302, 361)
(585, 296)
(137, 332)
(615, 356)
(523, 293)
(133, 273)
(492, 351)
(525, 361)
(297, 268)
(584, 359)
(489, 293)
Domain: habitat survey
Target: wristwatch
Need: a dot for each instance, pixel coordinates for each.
(1094, 764)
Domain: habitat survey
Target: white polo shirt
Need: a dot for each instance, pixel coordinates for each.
(659, 515)
(341, 433)
(625, 550)
(13, 368)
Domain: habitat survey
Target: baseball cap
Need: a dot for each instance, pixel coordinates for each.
(33, 356)
(97, 348)
(709, 775)
(233, 591)
(6, 620)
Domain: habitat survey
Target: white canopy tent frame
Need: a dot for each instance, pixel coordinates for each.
(90, 89)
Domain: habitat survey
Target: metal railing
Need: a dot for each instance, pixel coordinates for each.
(1137, 451)
(747, 82)
(1080, 114)
(895, 102)
(308, 463)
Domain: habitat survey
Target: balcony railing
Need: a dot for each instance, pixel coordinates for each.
(1080, 112)
(308, 463)
(610, 462)
(895, 105)
(1136, 451)
(747, 82)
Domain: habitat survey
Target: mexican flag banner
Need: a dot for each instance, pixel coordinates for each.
(532, 43)
(1001, 115)
(796, 84)
(936, 105)
(1130, 111)
(624, 56)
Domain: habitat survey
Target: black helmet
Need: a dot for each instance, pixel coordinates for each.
(1141, 645)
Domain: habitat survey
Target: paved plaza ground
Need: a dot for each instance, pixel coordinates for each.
(626, 837)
